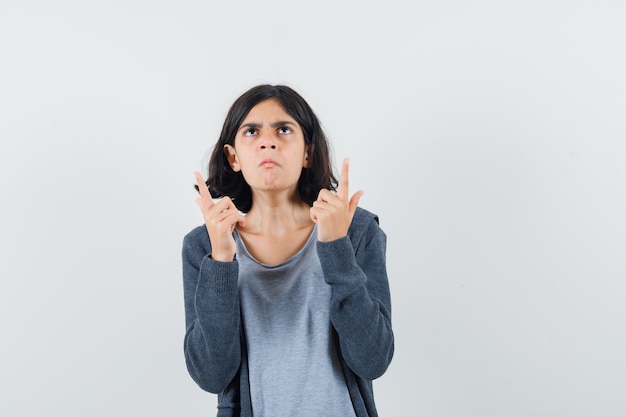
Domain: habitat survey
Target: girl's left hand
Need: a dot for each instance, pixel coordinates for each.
(333, 212)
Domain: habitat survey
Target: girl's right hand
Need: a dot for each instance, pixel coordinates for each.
(220, 220)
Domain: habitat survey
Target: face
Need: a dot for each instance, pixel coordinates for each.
(269, 149)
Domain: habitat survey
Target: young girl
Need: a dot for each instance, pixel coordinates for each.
(287, 302)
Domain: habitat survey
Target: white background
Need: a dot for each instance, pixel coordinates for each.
(489, 137)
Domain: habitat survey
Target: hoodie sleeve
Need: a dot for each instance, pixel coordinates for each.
(355, 267)
(212, 316)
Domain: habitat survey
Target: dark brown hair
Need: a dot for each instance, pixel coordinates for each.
(223, 181)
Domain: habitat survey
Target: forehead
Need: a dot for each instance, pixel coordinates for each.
(268, 110)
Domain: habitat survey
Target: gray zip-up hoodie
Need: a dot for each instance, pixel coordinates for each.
(360, 312)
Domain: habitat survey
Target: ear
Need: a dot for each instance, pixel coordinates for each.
(308, 153)
(231, 155)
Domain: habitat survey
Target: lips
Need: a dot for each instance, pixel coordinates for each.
(268, 163)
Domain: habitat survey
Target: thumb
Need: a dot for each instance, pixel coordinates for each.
(354, 201)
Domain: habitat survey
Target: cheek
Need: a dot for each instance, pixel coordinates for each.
(243, 153)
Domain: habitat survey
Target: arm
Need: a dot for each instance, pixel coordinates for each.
(212, 339)
(360, 307)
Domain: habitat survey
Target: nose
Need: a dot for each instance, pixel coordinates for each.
(267, 140)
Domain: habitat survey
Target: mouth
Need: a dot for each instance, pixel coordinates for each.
(268, 163)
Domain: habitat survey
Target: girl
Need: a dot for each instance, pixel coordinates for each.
(287, 304)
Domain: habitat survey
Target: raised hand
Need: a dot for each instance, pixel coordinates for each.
(333, 212)
(220, 219)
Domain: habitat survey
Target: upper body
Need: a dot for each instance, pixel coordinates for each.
(360, 313)
(271, 168)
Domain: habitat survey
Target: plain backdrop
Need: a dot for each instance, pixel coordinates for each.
(489, 136)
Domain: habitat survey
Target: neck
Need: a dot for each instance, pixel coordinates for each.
(273, 215)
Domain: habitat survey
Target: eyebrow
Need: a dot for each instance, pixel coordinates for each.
(275, 124)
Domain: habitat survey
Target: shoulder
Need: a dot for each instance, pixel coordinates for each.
(197, 240)
(363, 217)
(365, 225)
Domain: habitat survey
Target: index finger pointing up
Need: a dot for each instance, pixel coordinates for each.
(342, 189)
(205, 197)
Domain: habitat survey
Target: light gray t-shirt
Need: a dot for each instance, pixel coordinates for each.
(293, 360)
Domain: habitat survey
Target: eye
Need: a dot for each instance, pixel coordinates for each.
(284, 130)
(250, 132)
